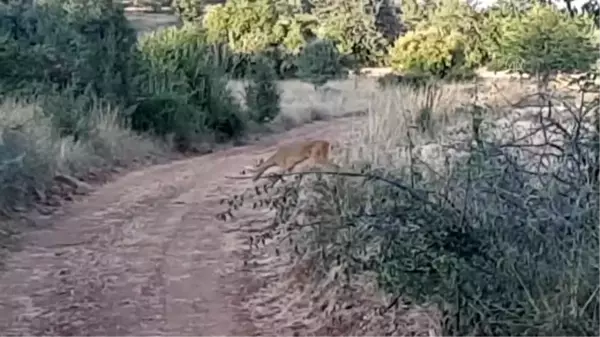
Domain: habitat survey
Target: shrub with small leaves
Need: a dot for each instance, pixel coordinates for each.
(430, 51)
(319, 62)
(246, 26)
(262, 94)
(185, 88)
(544, 40)
(80, 44)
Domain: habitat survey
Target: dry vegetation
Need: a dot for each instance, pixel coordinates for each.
(460, 213)
(42, 170)
(301, 104)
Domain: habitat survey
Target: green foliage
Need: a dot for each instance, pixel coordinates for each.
(543, 40)
(245, 25)
(248, 27)
(186, 88)
(447, 39)
(188, 10)
(171, 37)
(262, 94)
(432, 52)
(416, 12)
(216, 21)
(82, 44)
(352, 30)
(319, 62)
(297, 28)
(165, 112)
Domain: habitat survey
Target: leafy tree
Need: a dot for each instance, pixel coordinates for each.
(544, 40)
(251, 26)
(447, 39)
(352, 30)
(451, 18)
(430, 51)
(245, 25)
(82, 44)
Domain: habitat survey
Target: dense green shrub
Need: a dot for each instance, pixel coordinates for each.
(216, 21)
(245, 25)
(262, 94)
(319, 62)
(81, 44)
(249, 27)
(353, 32)
(165, 112)
(164, 42)
(432, 52)
(543, 40)
(186, 91)
(298, 30)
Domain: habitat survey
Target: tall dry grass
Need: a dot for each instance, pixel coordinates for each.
(32, 153)
(301, 103)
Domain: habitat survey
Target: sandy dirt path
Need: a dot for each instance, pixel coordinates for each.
(143, 255)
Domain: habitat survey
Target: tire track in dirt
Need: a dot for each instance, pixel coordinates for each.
(144, 255)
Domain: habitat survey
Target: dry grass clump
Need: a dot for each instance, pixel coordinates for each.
(33, 155)
(475, 222)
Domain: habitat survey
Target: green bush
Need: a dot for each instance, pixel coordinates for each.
(262, 94)
(354, 33)
(186, 88)
(319, 62)
(544, 40)
(247, 26)
(297, 29)
(80, 44)
(430, 51)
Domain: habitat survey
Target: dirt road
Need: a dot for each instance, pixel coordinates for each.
(142, 255)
